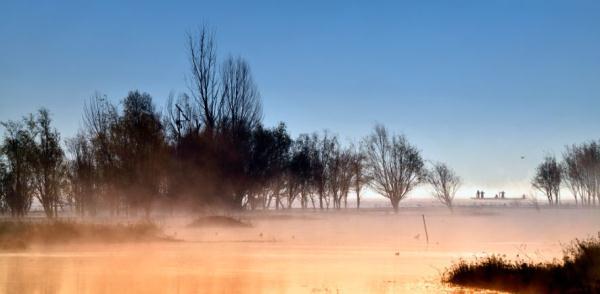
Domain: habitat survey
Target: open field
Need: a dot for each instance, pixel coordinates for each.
(299, 252)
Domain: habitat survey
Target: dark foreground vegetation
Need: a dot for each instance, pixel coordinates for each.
(579, 272)
(23, 234)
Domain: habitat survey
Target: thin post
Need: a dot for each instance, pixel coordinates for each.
(425, 226)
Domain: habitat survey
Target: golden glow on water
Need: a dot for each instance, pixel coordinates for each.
(345, 253)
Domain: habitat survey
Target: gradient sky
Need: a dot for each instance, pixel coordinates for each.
(476, 84)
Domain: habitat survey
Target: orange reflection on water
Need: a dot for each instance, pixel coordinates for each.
(326, 253)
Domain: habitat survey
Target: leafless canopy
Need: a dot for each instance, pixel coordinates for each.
(581, 172)
(241, 106)
(182, 117)
(204, 81)
(547, 179)
(395, 166)
(359, 171)
(445, 183)
(99, 115)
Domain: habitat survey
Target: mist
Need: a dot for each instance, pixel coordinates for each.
(202, 191)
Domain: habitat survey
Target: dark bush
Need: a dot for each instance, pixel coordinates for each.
(579, 272)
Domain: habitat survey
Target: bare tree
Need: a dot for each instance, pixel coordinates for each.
(99, 115)
(49, 164)
(82, 174)
(299, 171)
(359, 171)
(240, 106)
(395, 166)
(581, 167)
(140, 149)
(4, 185)
(293, 180)
(322, 159)
(182, 118)
(445, 183)
(547, 179)
(278, 183)
(18, 149)
(203, 81)
(334, 173)
(573, 174)
(340, 176)
(267, 161)
(347, 175)
(100, 118)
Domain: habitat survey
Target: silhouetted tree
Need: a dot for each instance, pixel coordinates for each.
(240, 106)
(129, 152)
(301, 164)
(240, 116)
(547, 179)
(18, 148)
(279, 161)
(573, 175)
(395, 166)
(322, 160)
(48, 164)
(229, 111)
(182, 118)
(141, 150)
(295, 174)
(192, 169)
(339, 175)
(4, 185)
(100, 120)
(581, 166)
(269, 153)
(445, 183)
(82, 175)
(204, 81)
(346, 176)
(360, 178)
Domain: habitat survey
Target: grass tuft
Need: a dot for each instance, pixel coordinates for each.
(578, 272)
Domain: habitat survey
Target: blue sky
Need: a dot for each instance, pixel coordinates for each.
(476, 84)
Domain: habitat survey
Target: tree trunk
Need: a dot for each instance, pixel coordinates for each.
(395, 203)
(321, 200)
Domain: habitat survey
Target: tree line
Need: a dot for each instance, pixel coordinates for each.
(131, 159)
(579, 171)
(207, 148)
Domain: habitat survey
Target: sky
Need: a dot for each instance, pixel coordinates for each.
(488, 87)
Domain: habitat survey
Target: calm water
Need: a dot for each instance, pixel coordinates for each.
(299, 253)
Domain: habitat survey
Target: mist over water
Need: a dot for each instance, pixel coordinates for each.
(299, 147)
(295, 251)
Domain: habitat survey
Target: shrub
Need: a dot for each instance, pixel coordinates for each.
(579, 272)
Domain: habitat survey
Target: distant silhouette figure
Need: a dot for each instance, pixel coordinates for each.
(478, 195)
(482, 194)
(496, 196)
